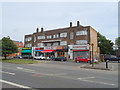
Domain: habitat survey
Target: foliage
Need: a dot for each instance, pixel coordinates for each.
(8, 47)
(105, 44)
(117, 42)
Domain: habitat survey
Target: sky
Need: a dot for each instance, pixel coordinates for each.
(22, 18)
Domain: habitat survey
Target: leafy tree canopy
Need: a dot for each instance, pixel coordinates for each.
(8, 47)
(117, 42)
(105, 44)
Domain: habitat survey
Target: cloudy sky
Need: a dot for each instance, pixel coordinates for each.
(19, 19)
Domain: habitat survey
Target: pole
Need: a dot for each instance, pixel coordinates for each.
(92, 55)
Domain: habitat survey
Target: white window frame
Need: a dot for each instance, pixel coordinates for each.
(41, 37)
(49, 37)
(81, 42)
(63, 34)
(40, 44)
(83, 32)
(63, 43)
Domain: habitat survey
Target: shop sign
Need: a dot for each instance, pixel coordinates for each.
(26, 48)
(80, 47)
(59, 47)
(51, 47)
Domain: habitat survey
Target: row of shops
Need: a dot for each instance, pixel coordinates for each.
(70, 51)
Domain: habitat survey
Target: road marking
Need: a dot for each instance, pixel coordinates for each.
(7, 72)
(14, 84)
(84, 79)
(25, 69)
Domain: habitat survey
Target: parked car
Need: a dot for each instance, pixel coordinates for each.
(111, 58)
(17, 56)
(60, 58)
(81, 59)
(39, 57)
(27, 56)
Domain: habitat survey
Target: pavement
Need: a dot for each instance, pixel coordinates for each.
(112, 66)
(52, 74)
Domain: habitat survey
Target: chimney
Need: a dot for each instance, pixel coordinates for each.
(42, 29)
(37, 30)
(78, 23)
(70, 24)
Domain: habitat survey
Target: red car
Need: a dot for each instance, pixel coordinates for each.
(81, 59)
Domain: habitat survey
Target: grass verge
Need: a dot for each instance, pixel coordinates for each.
(21, 61)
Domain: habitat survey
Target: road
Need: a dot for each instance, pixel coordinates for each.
(56, 75)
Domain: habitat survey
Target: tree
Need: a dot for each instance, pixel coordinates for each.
(8, 47)
(105, 44)
(117, 42)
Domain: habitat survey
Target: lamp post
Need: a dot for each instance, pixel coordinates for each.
(92, 55)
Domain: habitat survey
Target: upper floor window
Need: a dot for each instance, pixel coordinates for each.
(71, 35)
(49, 37)
(41, 37)
(48, 44)
(81, 33)
(55, 44)
(40, 44)
(81, 42)
(28, 39)
(28, 45)
(63, 43)
(34, 38)
(63, 34)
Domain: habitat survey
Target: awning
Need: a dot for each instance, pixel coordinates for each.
(37, 50)
(26, 51)
(80, 50)
(45, 51)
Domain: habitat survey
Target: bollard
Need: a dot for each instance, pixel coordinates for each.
(107, 64)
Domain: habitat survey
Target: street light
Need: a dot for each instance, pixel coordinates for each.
(92, 55)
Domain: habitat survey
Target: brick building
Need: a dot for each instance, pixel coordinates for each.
(20, 46)
(70, 41)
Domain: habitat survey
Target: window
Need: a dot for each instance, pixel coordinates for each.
(81, 42)
(54, 36)
(63, 35)
(41, 37)
(55, 44)
(71, 35)
(28, 39)
(40, 44)
(28, 45)
(63, 43)
(81, 33)
(34, 38)
(49, 37)
(48, 44)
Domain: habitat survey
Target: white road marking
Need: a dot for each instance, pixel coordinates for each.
(14, 84)
(25, 69)
(84, 79)
(7, 72)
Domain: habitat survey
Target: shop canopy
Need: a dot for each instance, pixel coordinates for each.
(26, 51)
(49, 51)
(37, 50)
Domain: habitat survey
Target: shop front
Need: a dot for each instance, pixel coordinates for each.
(61, 51)
(26, 53)
(37, 51)
(48, 53)
(78, 50)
